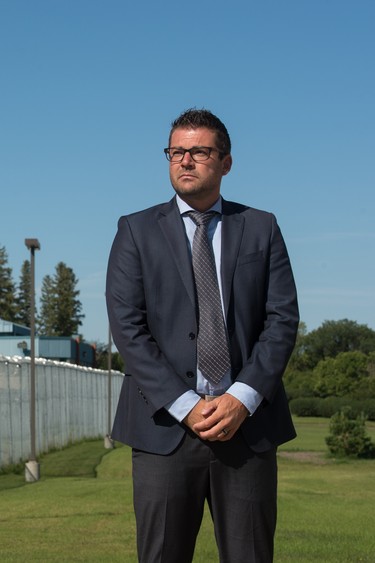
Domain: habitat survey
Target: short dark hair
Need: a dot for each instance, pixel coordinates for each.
(194, 118)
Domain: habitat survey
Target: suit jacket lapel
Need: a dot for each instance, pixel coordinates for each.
(231, 236)
(174, 232)
(173, 229)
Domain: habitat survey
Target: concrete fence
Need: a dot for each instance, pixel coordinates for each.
(71, 404)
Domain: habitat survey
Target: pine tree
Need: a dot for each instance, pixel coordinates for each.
(48, 307)
(348, 435)
(68, 306)
(8, 307)
(24, 295)
(60, 311)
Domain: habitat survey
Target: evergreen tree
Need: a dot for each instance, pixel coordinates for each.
(24, 295)
(60, 313)
(48, 307)
(8, 307)
(348, 436)
(68, 306)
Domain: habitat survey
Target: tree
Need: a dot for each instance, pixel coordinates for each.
(68, 317)
(24, 295)
(298, 377)
(298, 358)
(117, 363)
(366, 385)
(341, 376)
(60, 313)
(48, 307)
(8, 306)
(334, 337)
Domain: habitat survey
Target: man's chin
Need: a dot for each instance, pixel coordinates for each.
(186, 191)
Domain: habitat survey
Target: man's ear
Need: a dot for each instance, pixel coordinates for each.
(227, 164)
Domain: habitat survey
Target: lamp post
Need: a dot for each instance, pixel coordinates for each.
(32, 466)
(108, 442)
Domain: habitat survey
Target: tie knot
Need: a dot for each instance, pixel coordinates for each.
(201, 218)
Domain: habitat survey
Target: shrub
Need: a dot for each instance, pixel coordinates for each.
(315, 406)
(348, 436)
(331, 405)
(305, 406)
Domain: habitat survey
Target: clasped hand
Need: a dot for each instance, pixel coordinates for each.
(218, 419)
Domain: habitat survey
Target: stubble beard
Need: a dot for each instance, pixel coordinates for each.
(196, 191)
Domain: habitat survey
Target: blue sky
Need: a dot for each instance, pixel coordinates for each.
(88, 91)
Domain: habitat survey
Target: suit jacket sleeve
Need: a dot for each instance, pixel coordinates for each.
(273, 306)
(129, 321)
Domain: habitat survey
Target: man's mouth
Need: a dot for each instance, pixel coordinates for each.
(187, 175)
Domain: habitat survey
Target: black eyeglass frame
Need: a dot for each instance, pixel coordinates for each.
(184, 151)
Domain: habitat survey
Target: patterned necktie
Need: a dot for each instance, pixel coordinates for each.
(212, 343)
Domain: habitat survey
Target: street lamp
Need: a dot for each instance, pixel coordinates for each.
(108, 442)
(32, 466)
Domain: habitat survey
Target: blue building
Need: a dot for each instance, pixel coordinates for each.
(15, 341)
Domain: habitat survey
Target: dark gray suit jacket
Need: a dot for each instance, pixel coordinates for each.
(152, 311)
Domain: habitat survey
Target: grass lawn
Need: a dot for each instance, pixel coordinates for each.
(81, 509)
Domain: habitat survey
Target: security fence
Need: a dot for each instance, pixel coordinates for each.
(71, 403)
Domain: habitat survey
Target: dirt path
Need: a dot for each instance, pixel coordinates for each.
(316, 458)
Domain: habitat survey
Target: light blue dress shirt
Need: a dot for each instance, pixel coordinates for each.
(244, 393)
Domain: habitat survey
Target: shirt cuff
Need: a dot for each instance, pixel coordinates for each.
(247, 395)
(183, 405)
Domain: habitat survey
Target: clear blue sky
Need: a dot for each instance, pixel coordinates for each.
(88, 89)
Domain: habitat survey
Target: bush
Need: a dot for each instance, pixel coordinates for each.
(305, 406)
(315, 406)
(331, 405)
(348, 436)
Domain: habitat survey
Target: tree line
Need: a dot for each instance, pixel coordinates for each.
(331, 367)
(60, 310)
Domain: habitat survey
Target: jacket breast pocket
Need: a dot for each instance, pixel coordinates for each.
(247, 258)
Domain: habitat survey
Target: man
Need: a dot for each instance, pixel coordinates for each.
(203, 424)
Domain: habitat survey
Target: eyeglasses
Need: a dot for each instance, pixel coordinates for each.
(198, 154)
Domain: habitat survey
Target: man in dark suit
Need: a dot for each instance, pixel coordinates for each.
(198, 435)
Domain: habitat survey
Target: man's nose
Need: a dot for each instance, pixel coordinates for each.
(187, 160)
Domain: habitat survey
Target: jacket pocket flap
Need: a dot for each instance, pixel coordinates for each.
(253, 257)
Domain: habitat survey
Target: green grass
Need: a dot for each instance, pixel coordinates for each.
(81, 509)
(326, 511)
(311, 434)
(325, 508)
(76, 517)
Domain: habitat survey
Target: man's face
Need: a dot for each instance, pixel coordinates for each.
(198, 183)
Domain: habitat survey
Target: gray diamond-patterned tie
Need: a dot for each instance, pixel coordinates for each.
(212, 343)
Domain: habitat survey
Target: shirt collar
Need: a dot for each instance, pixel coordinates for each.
(184, 207)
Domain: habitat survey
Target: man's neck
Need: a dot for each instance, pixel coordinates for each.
(198, 205)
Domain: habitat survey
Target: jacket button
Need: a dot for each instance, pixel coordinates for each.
(191, 336)
(189, 374)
